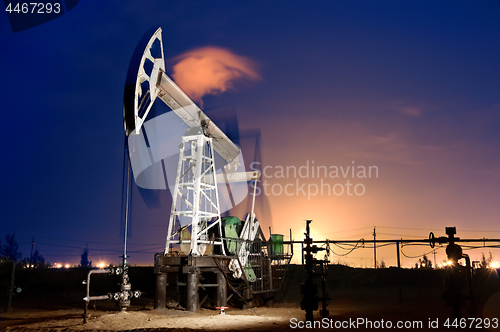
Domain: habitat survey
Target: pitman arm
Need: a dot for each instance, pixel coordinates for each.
(193, 116)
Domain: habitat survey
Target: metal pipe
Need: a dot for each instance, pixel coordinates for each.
(252, 216)
(161, 291)
(270, 274)
(11, 287)
(192, 291)
(398, 254)
(400, 290)
(301, 251)
(98, 297)
(89, 298)
(126, 208)
(468, 266)
(221, 290)
(391, 241)
(31, 255)
(100, 271)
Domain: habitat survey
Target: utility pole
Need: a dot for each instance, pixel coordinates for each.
(398, 256)
(374, 247)
(12, 288)
(31, 255)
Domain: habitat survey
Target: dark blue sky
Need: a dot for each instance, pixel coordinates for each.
(411, 87)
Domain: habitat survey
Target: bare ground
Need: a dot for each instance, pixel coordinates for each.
(372, 296)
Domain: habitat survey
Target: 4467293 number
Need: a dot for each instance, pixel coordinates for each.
(34, 8)
(472, 323)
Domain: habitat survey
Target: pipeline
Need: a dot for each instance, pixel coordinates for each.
(12, 288)
(123, 296)
(468, 267)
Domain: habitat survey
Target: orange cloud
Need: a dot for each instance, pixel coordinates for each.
(412, 111)
(211, 70)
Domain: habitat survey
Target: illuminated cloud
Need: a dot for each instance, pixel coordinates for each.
(412, 112)
(211, 70)
(408, 108)
(493, 172)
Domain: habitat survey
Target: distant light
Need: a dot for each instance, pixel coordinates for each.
(449, 263)
(66, 266)
(494, 265)
(58, 265)
(101, 265)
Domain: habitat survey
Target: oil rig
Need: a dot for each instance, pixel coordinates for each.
(208, 259)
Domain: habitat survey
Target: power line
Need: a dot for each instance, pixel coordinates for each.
(411, 228)
(392, 234)
(412, 257)
(347, 230)
(355, 247)
(436, 229)
(73, 247)
(100, 242)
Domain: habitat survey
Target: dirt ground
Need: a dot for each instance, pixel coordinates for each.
(276, 318)
(358, 298)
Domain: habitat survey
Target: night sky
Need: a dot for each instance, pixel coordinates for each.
(411, 88)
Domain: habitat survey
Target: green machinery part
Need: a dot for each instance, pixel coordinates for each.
(232, 228)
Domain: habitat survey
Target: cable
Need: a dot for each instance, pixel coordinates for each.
(479, 247)
(355, 247)
(392, 234)
(411, 257)
(412, 228)
(73, 247)
(346, 244)
(348, 230)
(100, 242)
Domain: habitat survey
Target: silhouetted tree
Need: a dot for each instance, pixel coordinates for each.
(10, 250)
(485, 262)
(423, 263)
(37, 261)
(84, 258)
